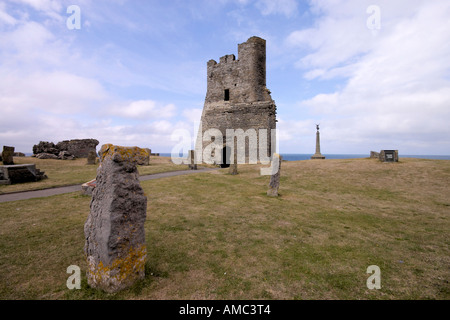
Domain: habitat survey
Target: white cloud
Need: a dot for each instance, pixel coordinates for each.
(5, 18)
(144, 110)
(284, 7)
(51, 8)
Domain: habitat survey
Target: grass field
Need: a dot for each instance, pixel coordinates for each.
(71, 172)
(218, 236)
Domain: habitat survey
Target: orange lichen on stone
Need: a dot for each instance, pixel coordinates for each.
(120, 273)
(120, 153)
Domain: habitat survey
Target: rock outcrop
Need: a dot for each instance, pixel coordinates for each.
(71, 149)
(46, 156)
(80, 148)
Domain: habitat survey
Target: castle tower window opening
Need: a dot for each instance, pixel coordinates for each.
(226, 96)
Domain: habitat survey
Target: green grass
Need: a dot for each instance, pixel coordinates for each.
(71, 172)
(218, 236)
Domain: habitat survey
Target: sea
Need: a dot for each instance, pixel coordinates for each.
(305, 156)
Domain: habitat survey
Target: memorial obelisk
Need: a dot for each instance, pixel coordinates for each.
(317, 155)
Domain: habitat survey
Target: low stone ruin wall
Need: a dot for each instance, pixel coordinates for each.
(65, 150)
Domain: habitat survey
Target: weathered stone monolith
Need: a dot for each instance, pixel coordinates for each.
(274, 183)
(115, 237)
(192, 165)
(7, 155)
(233, 166)
(92, 157)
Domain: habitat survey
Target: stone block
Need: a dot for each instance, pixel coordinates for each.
(64, 155)
(374, 155)
(80, 148)
(7, 155)
(19, 154)
(46, 156)
(20, 173)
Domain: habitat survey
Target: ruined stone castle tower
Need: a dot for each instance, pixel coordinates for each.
(237, 96)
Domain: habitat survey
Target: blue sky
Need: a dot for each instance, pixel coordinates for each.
(136, 70)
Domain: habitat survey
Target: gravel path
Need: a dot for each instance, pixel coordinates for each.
(60, 190)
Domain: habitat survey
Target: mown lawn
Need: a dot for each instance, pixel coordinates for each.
(218, 236)
(71, 172)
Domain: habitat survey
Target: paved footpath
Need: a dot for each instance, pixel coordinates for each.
(60, 190)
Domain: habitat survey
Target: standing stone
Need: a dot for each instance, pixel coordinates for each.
(115, 237)
(234, 167)
(92, 157)
(192, 164)
(374, 155)
(275, 177)
(7, 155)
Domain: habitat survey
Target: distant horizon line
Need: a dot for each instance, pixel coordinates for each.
(330, 154)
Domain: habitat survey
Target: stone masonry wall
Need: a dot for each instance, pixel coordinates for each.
(237, 96)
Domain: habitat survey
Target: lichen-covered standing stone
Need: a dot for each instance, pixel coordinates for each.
(115, 237)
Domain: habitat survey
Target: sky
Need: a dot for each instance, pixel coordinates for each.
(374, 74)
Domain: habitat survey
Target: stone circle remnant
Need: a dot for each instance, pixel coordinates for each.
(115, 246)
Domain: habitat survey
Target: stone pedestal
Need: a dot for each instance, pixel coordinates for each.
(317, 155)
(115, 245)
